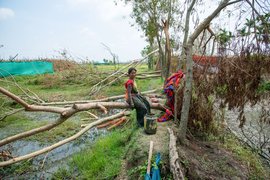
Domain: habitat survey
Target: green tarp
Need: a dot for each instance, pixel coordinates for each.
(25, 68)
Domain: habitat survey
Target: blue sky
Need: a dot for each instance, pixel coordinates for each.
(42, 28)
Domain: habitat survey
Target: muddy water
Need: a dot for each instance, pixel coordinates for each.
(254, 132)
(45, 165)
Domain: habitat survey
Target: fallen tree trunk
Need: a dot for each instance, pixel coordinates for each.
(64, 112)
(174, 158)
(60, 143)
(112, 98)
(148, 76)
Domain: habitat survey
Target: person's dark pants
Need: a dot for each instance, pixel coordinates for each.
(142, 107)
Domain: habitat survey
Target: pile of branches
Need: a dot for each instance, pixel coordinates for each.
(236, 84)
(239, 80)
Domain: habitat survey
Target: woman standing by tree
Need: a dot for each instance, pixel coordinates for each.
(135, 99)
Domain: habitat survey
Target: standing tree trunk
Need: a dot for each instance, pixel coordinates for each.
(161, 56)
(182, 60)
(168, 48)
(189, 74)
(181, 64)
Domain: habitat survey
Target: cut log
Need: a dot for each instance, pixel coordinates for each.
(123, 119)
(112, 98)
(174, 158)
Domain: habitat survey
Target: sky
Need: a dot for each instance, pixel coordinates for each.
(43, 28)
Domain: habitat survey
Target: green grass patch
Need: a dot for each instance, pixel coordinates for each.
(17, 169)
(18, 123)
(264, 87)
(103, 160)
(248, 157)
(58, 133)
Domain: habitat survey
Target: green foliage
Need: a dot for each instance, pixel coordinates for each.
(260, 26)
(140, 170)
(248, 157)
(224, 37)
(264, 87)
(17, 169)
(64, 130)
(19, 123)
(221, 90)
(151, 61)
(62, 173)
(103, 160)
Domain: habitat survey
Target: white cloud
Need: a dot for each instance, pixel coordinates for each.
(6, 13)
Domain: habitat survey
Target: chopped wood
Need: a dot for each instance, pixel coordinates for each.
(123, 119)
(104, 124)
(108, 123)
(91, 114)
(174, 158)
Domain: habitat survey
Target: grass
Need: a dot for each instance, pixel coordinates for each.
(248, 157)
(102, 160)
(19, 123)
(58, 133)
(17, 169)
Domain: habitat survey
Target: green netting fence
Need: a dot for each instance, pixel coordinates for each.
(25, 68)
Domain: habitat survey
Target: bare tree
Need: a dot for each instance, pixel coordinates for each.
(189, 63)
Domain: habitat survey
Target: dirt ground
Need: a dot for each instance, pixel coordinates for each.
(201, 160)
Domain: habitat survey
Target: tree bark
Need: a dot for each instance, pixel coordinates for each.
(182, 63)
(64, 112)
(189, 75)
(174, 158)
(112, 98)
(168, 48)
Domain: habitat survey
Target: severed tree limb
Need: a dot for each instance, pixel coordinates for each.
(64, 112)
(102, 108)
(174, 158)
(112, 121)
(112, 98)
(122, 119)
(60, 143)
(36, 96)
(107, 123)
(91, 114)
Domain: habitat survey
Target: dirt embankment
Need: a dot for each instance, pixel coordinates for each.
(200, 159)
